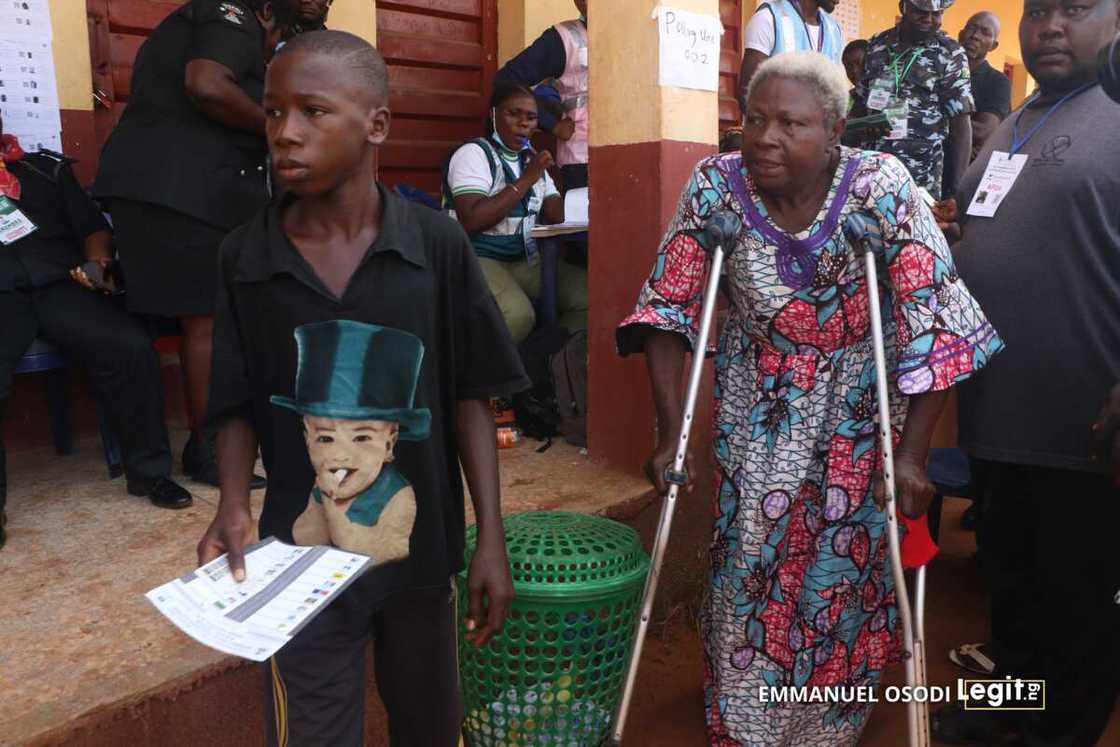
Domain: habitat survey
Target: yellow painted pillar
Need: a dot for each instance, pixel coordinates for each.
(74, 78)
(520, 22)
(359, 17)
(645, 140)
(70, 46)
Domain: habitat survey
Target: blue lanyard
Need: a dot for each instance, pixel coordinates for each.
(1016, 142)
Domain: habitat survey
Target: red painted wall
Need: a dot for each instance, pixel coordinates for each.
(636, 191)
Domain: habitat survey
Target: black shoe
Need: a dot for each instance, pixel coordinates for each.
(163, 493)
(200, 463)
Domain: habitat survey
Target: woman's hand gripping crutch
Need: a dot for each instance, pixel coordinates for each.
(723, 233)
(863, 233)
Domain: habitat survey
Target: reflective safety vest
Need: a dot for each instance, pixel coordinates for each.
(572, 86)
(791, 31)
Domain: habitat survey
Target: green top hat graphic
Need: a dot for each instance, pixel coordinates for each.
(354, 371)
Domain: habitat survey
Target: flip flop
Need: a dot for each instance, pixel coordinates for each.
(974, 657)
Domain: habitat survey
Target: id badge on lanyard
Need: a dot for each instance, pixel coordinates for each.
(899, 115)
(881, 95)
(14, 224)
(1000, 176)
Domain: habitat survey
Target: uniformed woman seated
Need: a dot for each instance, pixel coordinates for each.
(41, 295)
(499, 188)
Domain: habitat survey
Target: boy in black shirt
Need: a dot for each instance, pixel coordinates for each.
(339, 246)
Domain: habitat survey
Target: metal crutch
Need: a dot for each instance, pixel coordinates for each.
(723, 232)
(863, 232)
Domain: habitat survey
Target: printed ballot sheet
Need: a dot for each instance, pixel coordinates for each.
(285, 587)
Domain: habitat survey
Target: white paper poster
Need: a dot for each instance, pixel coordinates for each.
(25, 18)
(28, 90)
(688, 49)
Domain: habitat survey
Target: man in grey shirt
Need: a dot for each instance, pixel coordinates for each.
(1046, 269)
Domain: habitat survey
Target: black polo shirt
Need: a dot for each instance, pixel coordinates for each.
(420, 276)
(64, 216)
(991, 90)
(164, 150)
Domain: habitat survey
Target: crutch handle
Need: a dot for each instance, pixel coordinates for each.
(863, 231)
(723, 231)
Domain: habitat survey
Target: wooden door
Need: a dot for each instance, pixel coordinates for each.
(442, 56)
(730, 59)
(117, 28)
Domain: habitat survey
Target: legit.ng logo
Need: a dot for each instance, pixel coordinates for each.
(1007, 694)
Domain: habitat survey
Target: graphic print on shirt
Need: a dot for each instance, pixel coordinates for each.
(1053, 150)
(355, 386)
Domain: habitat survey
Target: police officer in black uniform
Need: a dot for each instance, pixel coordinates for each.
(187, 164)
(41, 295)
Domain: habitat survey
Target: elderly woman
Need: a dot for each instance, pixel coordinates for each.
(801, 589)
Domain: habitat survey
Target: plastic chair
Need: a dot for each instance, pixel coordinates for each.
(417, 195)
(44, 357)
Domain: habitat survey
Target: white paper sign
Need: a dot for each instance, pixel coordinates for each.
(688, 49)
(28, 89)
(28, 19)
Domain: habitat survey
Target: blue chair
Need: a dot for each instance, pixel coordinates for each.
(950, 475)
(44, 357)
(417, 195)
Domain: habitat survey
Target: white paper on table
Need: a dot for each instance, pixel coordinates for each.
(576, 204)
(688, 49)
(285, 587)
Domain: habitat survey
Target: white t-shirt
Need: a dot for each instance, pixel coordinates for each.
(760, 36)
(468, 172)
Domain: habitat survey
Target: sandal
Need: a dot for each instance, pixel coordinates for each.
(974, 657)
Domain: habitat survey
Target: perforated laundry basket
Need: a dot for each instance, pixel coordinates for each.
(554, 676)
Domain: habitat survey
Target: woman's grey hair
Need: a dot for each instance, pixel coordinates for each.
(824, 78)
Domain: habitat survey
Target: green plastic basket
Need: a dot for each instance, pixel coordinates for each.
(554, 676)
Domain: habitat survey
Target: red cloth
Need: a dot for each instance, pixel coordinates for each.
(9, 151)
(918, 547)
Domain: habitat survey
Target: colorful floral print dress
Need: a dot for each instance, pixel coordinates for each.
(801, 589)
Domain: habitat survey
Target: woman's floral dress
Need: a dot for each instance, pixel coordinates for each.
(801, 588)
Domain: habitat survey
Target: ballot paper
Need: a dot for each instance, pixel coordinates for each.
(285, 587)
(576, 204)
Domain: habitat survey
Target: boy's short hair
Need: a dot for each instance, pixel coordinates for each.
(352, 51)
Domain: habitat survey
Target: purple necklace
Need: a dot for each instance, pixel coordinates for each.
(796, 260)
